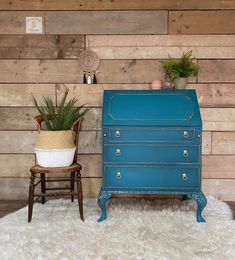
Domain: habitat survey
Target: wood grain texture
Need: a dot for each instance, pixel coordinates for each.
(106, 22)
(162, 46)
(13, 22)
(218, 119)
(108, 5)
(221, 189)
(41, 46)
(89, 142)
(91, 165)
(92, 95)
(16, 165)
(218, 167)
(223, 143)
(17, 188)
(202, 22)
(227, 4)
(214, 95)
(217, 71)
(40, 71)
(21, 94)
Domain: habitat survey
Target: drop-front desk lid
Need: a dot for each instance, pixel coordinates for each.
(151, 107)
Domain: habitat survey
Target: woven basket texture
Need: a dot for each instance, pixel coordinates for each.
(55, 140)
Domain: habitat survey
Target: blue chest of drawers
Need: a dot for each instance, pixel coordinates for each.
(151, 145)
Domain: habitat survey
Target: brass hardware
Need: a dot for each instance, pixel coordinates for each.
(118, 175)
(185, 153)
(198, 135)
(117, 133)
(185, 134)
(118, 152)
(184, 176)
(105, 135)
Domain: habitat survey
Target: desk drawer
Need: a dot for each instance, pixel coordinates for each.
(151, 154)
(154, 177)
(152, 135)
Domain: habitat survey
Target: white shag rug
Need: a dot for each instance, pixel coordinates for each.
(134, 229)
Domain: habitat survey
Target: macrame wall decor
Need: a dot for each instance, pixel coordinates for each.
(89, 62)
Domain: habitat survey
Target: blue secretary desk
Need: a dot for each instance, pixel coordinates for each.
(151, 145)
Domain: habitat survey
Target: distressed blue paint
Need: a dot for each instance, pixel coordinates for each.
(151, 145)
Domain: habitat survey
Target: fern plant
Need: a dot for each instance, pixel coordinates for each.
(62, 117)
(185, 67)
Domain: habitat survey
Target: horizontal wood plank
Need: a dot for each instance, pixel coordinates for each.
(108, 5)
(92, 95)
(17, 188)
(21, 94)
(41, 46)
(218, 166)
(223, 143)
(89, 142)
(13, 22)
(218, 119)
(214, 95)
(40, 71)
(217, 71)
(162, 46)
(202, 22)
(227, 4)
(103, 22)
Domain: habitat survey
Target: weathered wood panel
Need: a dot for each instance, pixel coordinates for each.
(91, 165)
(92, 120)
(218, 119)
(214, 95)
(40, 71)
(13, 22)
(21, 94)
(162, 46)
(16, 165)
(103, 22)
(201, 22)
(218, 166)
(221, 189)
(223, 143)
(92, 95)
(227, 4)
(217, 71)
(89, 142)
(108, 5)
(17, 188)
(41, 46)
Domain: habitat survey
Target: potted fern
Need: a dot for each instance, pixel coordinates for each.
(179, 71)
(55, 145)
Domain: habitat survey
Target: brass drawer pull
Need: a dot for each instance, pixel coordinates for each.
(185, 134)
(184, 176)
(185, 153)
(118, 175)
(118, 152)
(117, 133)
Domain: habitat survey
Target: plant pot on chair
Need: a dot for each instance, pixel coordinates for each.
(180, 83)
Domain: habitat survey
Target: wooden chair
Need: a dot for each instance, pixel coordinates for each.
(75, 176)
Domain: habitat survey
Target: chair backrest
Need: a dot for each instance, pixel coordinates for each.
(76, 128)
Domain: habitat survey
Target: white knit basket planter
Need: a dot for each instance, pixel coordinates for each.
(55, 157)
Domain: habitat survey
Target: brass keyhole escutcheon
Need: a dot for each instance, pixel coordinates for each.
(184, 176)
(118, 152)
(185, 153)
(118, 175)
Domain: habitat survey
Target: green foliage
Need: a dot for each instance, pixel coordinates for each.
(182, 68)
(62, 117)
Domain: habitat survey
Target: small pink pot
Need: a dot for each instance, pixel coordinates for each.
(156, 84)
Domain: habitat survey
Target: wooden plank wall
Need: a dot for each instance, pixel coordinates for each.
(130, 37)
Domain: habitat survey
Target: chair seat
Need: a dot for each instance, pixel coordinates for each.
(72, 168)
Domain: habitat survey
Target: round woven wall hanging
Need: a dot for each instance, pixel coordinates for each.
(89, 61)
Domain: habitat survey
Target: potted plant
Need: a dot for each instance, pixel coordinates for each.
(55, 146)
(179, 71)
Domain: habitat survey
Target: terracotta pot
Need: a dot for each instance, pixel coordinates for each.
(180, 83)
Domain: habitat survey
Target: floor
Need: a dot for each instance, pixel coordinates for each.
(9, 206)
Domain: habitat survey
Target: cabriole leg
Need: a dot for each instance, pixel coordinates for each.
(201, 200)
(102, 199)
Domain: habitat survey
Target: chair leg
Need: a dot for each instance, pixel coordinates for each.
(43, 186)
(79, 193)
(72, 185)
(31, 196)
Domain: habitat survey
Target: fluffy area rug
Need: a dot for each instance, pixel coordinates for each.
(134, 229)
